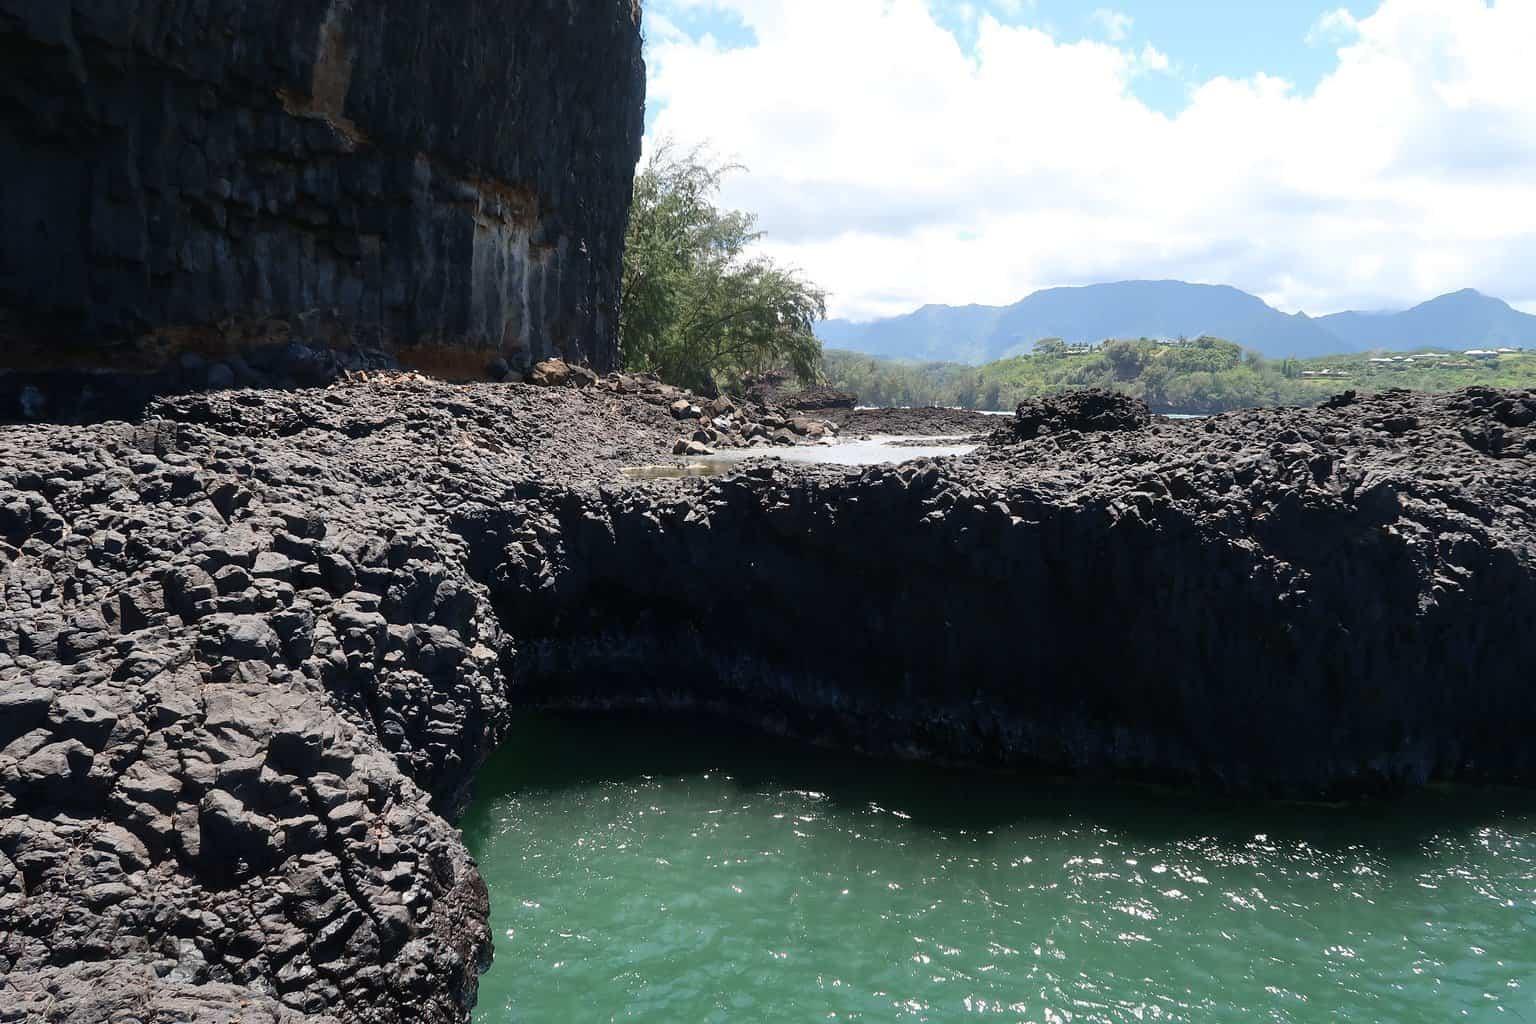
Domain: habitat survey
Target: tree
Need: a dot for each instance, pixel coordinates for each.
(968, 393)
(699, 309)
(1125, 359)
(1152, 387)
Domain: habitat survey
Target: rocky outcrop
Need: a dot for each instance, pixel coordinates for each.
(90, 993)
(243, 675)
(254, 647)
(822, 400)
(1089, 411)
(1287, 602)
(706, 424)
(780, 388)
(243, 191)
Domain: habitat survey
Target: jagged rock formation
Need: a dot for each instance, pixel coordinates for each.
(705, 424)
(822, 400)
(1289, 602)
(90, 993)
(242, 672)
(253, 648)
(191, 192)
(1090, 411)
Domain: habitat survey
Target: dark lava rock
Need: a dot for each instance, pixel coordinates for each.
(254, 647)
(1089, 411)
(90, 993)
(282, 190)
(779, 388)
(918, 421)
(819, 400)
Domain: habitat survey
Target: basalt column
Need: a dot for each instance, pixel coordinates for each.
(195, 188)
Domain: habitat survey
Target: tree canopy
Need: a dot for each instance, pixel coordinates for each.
(1199, 375)
(700, 309)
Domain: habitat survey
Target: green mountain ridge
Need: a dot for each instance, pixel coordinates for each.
(1171, 309)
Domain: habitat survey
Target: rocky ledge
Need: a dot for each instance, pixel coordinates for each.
(254, 647)
(721, 422)
(918, 421)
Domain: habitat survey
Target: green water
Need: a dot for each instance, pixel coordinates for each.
(671, 874)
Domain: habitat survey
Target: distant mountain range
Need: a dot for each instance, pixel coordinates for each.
(1170, 309)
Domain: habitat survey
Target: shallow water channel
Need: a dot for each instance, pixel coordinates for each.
(668, 872)
(871, 451)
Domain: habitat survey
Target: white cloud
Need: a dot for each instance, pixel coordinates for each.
(1115, 25)
(897, 167)
(1152, 59)
(1333, 27)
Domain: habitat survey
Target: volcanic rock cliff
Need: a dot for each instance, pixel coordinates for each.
(251, 191)
(254, 646)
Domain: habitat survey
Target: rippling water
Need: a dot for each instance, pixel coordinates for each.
(667, 874)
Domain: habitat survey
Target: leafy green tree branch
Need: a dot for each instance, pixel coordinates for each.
(699, 310)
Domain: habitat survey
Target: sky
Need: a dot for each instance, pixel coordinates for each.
(1323, 157)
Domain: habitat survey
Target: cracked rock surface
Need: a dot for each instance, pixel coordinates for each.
(254, 647)
(243, 672)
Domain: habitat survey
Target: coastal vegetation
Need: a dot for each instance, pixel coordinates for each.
(700, 309)
(704, 310)
(1200, 375)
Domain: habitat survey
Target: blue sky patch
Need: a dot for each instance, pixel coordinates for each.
(1202, 39)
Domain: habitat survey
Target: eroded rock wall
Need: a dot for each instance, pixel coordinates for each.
(1283, 602)
(446, 183)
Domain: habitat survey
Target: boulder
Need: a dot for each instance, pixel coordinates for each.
(807, 427)
(551, 373)
(1089, 411)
